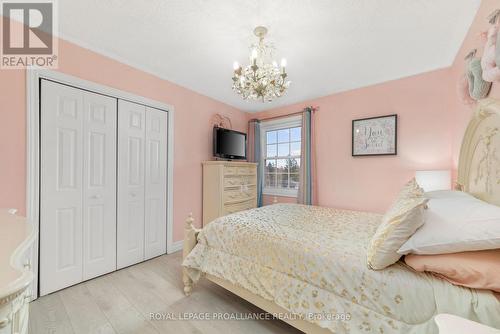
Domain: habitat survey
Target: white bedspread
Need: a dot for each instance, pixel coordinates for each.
(312, 261)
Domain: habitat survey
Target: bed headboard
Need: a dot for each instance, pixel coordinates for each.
(479, 164)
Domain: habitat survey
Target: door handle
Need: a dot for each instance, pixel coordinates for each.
(4, 322)
(27, 264)
(95, 197)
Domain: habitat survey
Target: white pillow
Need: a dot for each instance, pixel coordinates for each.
(455, 222)
(446, 194)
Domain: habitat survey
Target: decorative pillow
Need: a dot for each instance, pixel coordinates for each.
(478, 270)
(398, 224)
(478, 88)
(491, 72)
(455, 222)
(411, 189)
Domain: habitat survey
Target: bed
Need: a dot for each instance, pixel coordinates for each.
(307, 264)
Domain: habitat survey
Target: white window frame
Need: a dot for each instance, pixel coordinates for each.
(277, 124)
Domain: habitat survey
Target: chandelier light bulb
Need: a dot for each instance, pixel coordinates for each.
(236, 65)
(283, 62)
(254, 54)
(275, 64)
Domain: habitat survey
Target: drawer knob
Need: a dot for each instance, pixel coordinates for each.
(4, 322)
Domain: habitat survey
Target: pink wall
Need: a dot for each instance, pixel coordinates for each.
(192, 131)
(461, 113)
(370, 183)
(268, 200)
(431, 124)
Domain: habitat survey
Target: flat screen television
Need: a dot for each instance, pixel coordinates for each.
(229, 144)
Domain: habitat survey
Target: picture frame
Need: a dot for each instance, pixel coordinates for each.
(375, 136)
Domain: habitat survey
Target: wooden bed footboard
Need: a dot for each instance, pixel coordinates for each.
(190, 240)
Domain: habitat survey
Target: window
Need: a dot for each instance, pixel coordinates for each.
(282, 144)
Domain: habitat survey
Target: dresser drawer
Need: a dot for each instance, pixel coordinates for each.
(240, 194)
(239, 170)
(236, 207)
(236, 181)
(230, 170)
(251, 170)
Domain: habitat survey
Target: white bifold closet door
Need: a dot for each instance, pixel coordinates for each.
(142, 183)
(78, 186)
(130, 211)
(155, 238)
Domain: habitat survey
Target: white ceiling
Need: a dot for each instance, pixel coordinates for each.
(330, 45)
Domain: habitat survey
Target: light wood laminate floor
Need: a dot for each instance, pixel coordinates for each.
(121, 302)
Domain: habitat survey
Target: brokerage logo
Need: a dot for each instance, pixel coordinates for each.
(28, 34)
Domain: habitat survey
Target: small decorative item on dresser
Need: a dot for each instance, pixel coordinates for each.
(221, 121)
(374, 136)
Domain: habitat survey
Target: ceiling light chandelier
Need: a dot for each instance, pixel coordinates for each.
(263, 79)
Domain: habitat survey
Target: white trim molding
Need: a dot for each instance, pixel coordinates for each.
(33, 76)
(176, 246)
(279, 192)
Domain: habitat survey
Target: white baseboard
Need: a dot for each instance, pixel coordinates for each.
(175, 247)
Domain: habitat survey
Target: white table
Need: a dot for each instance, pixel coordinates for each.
(16, 239)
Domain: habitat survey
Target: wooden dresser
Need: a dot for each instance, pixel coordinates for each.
(16, 276)
(228, 187)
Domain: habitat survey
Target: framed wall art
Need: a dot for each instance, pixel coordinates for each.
(375, 136)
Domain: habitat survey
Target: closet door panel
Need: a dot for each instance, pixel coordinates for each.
(131, 154)
(61, 134)
(99, 179)
(156, 183)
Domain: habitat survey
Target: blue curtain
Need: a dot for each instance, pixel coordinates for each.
(255, 154)
(307, 186)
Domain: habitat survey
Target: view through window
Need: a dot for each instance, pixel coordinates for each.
(282, 162)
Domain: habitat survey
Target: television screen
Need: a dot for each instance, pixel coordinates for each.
(229, 144)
